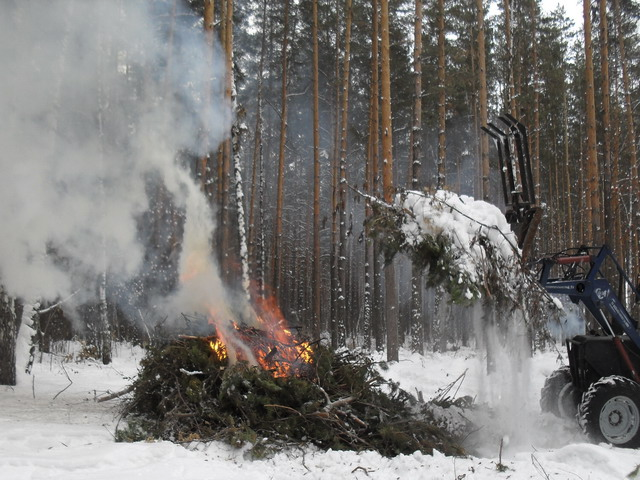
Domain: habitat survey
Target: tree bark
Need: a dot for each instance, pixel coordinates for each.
(417, 323)
(631, 133)
(510, 67)
(373, 319)
(277, 254)
(317, 265)
(8, 333)
(256, 246)
(483, 102)
(209, 19)
(535, 151)
(391, 294)
(567, 176)
(442, 97)
(341, 308)
(611, 233)
(593, 196)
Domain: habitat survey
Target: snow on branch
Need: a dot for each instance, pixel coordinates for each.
(465, 246)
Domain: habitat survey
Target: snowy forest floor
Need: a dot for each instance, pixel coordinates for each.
(51, 427)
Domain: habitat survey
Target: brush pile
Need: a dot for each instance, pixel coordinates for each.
(185, 393)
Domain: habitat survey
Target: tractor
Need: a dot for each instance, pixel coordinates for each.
(601, 385)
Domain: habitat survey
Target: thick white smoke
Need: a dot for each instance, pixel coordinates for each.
(94, 99)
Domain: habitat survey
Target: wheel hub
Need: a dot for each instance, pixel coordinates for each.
(619, 419)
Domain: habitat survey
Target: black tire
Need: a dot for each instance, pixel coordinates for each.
(553, 385)
(568, 401)
(610, 411)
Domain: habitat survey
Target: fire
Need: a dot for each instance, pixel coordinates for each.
(219, 349)
(271, 345)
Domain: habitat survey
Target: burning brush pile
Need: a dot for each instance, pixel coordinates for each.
(265, 388)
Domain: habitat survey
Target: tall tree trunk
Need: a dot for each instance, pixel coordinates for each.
(317, 265)
(610, 200)
(277, 254)
(243, 251)
(204, 169)
(341, 308)
(567, 175)
(9, 323)
(510, 66)
(535, 154)
(391, 292)
(255, 245)
(483, 102)
(417, 322)
(593, 190)
(442, 97)
(631, 134)
(229, 227)
(104, 327)
(373, 319)
(335, 214)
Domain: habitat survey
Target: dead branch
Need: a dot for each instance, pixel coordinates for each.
(68, 378)
(338, 403)
(272, 405)
(115, 395)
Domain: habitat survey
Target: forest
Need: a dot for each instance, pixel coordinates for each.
(257, 133)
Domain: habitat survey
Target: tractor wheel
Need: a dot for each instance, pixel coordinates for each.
(610, 411)
(553, 385)
(568, 400)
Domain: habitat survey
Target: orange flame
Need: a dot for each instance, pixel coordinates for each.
(219, 349)
(273, 345)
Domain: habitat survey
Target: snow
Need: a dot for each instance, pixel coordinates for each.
(477, 236)
(460, 218)
(52, 427)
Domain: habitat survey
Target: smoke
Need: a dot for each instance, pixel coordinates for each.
(96, 100)
(569, 324)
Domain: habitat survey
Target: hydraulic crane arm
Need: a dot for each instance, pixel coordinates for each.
(523, 213)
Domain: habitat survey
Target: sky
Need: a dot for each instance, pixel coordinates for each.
(572, 7)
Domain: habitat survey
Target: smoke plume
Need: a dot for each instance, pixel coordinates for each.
(96, 98)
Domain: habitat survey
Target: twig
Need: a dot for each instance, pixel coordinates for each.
(538, 466)
(366, 471)
(114, 395)
(443, 395)
(70, 382)
(273, 405)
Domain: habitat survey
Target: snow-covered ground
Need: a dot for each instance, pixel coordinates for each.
(51, 427)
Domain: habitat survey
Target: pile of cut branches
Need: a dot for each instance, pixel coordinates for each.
(184, 393)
